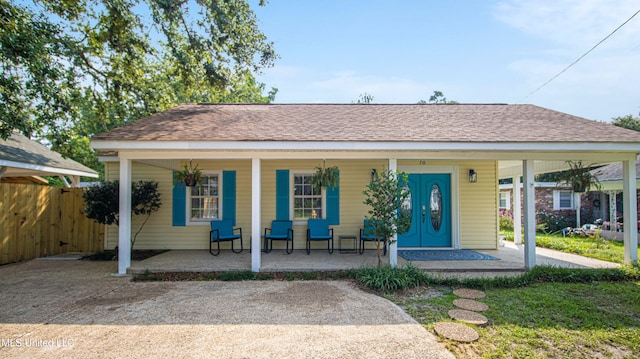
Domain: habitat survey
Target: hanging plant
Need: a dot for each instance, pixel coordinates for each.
(579, 177)
(190, 176)
(325, 177)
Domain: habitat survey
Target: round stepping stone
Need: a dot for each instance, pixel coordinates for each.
(457, 332)
(470, 304)
(469, 293)
(468, 316)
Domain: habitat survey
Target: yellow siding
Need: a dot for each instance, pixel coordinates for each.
(158, 233)
(354, 176)
(478, 202)
(479, 206)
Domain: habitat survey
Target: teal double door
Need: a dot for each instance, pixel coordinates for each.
(430, 211)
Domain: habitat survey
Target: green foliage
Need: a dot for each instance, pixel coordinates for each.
(327, 177)
(236, 276)
(388, 197)
(365, 99)
(437, 97)
(388, 279)
(543, 320)
(506, 220)
(102, 202)
(72, 69)
(190, 175)
(579, 177)
(628, 122)
(552, 222)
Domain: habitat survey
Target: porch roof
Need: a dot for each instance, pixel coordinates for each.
(450, 124)
(20, 157)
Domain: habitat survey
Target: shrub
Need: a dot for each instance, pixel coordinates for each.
(387, 279)
(550, 222)
(506, 220)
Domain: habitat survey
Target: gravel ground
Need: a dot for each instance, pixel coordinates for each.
(62, 309)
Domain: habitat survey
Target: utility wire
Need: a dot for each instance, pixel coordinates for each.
(585, 54)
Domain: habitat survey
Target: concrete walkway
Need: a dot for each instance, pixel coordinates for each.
(62, 309)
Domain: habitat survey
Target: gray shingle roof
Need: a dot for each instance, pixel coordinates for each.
(354, 122)
(613, 172)
(17, 148)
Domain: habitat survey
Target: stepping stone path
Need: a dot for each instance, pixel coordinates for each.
(470, 304)
(468, 316)
(469, 293)
(467, 313)
(457, 332)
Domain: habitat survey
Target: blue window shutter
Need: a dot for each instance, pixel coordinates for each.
(282, 194)
(333, 203)
(179, 200)
(229, 196)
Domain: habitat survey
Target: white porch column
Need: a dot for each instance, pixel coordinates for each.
(630, 211)
(255, 215)
(517, 211)
(393, 247)
(124, 221)
(613, 208)
(529, 215)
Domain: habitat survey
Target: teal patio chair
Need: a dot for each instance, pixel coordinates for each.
(367, 235)
(318, 230)
(281, 230)
(223, 231)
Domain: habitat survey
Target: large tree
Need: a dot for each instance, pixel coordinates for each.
(73, 68)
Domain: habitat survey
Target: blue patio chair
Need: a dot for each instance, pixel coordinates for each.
(280, 231)
(367, 235)
(318, 230)
(223, 231)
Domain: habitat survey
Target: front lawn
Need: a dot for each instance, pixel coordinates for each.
(542, 320)
(593, 247)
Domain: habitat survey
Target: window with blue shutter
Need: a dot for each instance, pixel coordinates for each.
(203, 200)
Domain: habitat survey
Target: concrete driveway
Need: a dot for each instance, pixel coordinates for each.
(57, 309)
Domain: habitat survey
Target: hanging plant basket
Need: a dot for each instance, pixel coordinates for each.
(579, 177)
(190, 176)
(325, 177)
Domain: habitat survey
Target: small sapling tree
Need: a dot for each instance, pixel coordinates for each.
(389, 198)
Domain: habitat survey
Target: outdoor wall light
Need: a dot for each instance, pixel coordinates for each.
(374, 174)
(473, 176)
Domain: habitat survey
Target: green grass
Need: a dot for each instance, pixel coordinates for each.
(543, 320)
(593, 247)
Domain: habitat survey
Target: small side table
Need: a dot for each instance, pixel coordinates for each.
(346, 248)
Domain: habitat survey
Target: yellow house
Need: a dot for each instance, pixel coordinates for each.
(257, 160)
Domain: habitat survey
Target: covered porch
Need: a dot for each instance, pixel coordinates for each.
(510, 261)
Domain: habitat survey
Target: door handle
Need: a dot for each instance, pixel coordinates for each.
(424, 213)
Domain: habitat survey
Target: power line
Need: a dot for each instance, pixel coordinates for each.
(585, 54)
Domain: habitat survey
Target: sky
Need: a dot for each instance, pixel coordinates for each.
(473, 51)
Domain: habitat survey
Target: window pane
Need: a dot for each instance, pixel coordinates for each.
(565, 199)
(307, 202)
(204, 199)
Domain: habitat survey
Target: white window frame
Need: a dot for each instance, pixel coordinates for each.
(292, 188)
(556, 199)
(507, 199)
(205, 221)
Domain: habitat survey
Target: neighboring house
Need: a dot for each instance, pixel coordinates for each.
(610, 194)
(258, 159)
(25, 161)
(558, 199)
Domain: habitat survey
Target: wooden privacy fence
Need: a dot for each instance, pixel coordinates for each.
(40, 221)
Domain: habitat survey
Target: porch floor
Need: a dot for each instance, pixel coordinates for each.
(511, 261)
